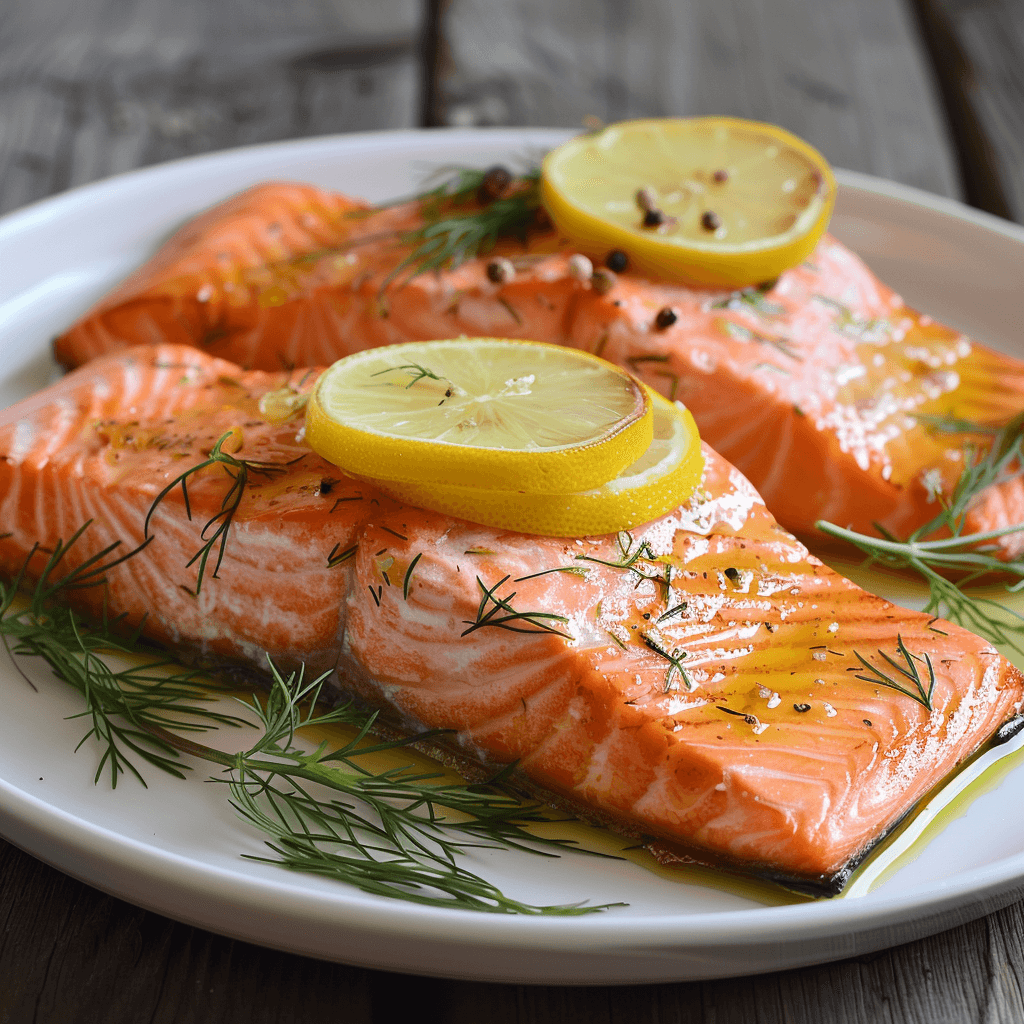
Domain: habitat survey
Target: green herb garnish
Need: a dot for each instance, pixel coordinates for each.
(396, 833)
(451, 233)
(969, 556)
(238, 470)
(675, 659)
(905, 673)
(495, 610)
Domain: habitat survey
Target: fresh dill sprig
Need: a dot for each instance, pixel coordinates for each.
(679, 609)
(909, 672)
(127, 708)
(968, 556)
(848, 323)
(400, 840)
(418, 373)
(407, 581)
(396, 833)
(675, 658)
(741, 333)
(238, 470)
(573, 570)
(512, 619)
(629, 558)
(336, 557)
(451, 234)
(753, 297)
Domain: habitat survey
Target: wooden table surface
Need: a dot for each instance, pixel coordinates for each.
(926, 92)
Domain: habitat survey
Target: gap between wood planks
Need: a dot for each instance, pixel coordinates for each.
(957, 81)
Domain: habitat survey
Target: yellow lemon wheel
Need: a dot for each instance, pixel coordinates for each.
(480, 412)
(663, 478)
(713, 201)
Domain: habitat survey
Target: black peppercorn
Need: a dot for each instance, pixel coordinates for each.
(666, 318)
(495, 184)
(801, 707)
(616, 261)
(653, 219)
(710, 221)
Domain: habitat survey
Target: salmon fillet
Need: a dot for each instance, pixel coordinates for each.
(809, 386)
(703, 682)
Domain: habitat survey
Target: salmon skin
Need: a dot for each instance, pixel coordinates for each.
(702, 682)
(811, 385)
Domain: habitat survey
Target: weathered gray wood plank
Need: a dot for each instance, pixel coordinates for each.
(849, 75)
(979, 47)
(65, 947)
(100, 86)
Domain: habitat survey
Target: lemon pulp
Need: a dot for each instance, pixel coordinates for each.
(662, 478)
(480, 412)
(712, 200)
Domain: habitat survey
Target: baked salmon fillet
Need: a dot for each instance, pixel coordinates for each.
(702, 682)
(811, 385)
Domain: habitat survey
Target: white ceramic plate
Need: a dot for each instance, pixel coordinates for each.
(175, 848)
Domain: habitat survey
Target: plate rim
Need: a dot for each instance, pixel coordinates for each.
(37, 823)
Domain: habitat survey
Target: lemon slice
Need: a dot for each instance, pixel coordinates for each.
(480, 412)
(708, 200)
(663, 478)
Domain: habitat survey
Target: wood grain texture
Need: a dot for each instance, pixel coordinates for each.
(979, 45)
(70, 954)
(95, 87)
(849, 75)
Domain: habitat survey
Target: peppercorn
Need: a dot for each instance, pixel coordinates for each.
(710, 221)
(603, 281)
(720, 176)
(495, 184)
(801, 707)
(666, 318)
(653, 219)
(645, 199)
(616, 261)
(500, 270)
(580, 267)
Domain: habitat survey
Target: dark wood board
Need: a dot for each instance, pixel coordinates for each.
(69, 953)
(851, 77)
(94, 87)
(928, 92)
(979, 48)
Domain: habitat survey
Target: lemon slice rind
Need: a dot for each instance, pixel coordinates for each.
(480, 412)
(588, 187)
(664, 478)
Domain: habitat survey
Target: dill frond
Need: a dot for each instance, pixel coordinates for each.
(454, 231)
(398, 833)
(968, 557)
